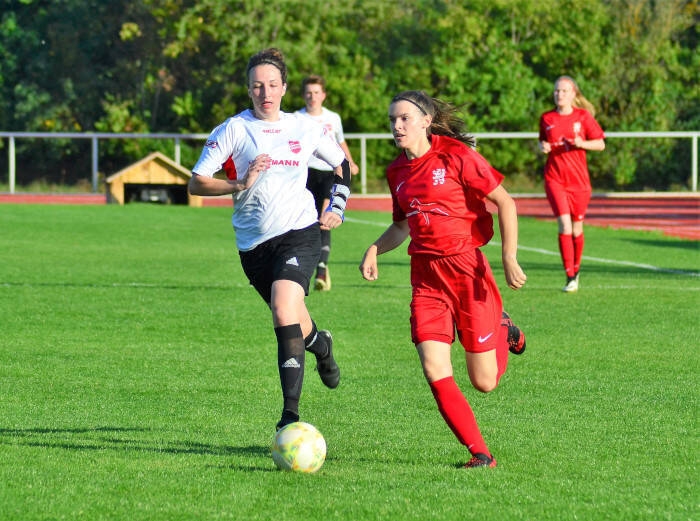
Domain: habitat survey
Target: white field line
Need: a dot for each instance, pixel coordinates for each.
(556, 253)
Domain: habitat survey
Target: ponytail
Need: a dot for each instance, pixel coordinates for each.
(445, 121)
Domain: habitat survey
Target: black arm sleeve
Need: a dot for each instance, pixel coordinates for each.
(345, 180)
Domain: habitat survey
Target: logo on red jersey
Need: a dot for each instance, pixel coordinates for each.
(425, 209)
(295, 146)
(438, 176)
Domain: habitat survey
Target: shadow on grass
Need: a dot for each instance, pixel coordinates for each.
(593, 266)
(678, 244)
(113, 438)
(129, 285)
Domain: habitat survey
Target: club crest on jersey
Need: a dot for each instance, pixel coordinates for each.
(295, 146)
(211, 144)
(438, 176)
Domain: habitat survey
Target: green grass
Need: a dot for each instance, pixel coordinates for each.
(138, 380)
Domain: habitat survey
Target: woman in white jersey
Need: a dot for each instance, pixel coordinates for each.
(265, 153)
(321, 178)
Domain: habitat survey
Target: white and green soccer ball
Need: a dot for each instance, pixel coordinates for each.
(299, 447)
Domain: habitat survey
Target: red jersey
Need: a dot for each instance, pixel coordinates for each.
(566, 165)
(441, 194)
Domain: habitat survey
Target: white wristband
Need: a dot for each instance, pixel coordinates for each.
(339, 198)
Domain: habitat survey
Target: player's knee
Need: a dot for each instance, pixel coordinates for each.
(484, 383)
(435, 372)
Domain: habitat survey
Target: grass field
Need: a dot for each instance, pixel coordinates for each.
(138, 380)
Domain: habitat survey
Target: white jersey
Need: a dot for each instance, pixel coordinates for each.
(278, 201)
(333, 125)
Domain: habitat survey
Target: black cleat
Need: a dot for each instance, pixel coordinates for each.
(516, 338)
(327, 369)
(287, 418)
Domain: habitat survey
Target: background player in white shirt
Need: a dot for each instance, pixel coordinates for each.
(321, 178)
(265, 153)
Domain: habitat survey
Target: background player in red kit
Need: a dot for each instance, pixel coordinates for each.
(438, 186)
(566, 132)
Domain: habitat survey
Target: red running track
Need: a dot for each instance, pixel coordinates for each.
(674, 215)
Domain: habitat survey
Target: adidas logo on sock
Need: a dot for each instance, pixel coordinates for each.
(293, 261)
(291, 364)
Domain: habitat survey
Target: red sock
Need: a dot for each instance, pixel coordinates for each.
(458, 414)
(566, 248)
(502, 351)
(578, 252)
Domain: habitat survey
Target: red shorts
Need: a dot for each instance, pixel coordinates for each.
(564, 202)
(456, 292)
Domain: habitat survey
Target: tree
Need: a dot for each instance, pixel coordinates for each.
(179, 66)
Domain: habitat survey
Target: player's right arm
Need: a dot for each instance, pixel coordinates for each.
(543, 142)
(205, 185)
(392, 238)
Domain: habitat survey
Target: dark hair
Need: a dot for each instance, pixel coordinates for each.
(270, 56)
(314, 79)
(445, 120)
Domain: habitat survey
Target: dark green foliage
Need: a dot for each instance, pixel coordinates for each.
(179, 66)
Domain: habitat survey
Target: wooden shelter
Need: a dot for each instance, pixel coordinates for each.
(155, 178)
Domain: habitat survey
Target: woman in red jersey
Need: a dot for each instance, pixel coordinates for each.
(439, 185)
(566, 133)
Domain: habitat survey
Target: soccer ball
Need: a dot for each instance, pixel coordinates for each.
(299, 447)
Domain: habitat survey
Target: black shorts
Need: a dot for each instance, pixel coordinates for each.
(290, 256)
(320, 183)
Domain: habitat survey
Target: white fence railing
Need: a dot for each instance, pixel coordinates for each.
(94, 137)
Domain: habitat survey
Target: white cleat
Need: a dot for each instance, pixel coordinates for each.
(323, 283)
(571, 285)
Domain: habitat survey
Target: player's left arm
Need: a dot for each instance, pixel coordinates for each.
(334, 214)
(590, 144)
(354, 169)
(591, 129)
(508, 224)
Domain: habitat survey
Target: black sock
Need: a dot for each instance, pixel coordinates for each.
(325, 246)
(290, 363)
(316, 343)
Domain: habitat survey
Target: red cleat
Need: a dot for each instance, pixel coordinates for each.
(516, 338)
(480, 460)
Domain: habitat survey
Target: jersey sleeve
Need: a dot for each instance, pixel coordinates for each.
(543, 132)
(328, 149)
(217, 149)
(479, 175)
(592, 128)
(338, 126)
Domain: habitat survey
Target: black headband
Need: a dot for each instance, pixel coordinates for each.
(398, 98)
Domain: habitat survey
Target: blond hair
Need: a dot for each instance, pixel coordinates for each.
(580, 100)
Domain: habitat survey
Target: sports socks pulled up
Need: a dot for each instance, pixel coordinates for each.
(290, 363)
(458, 414)
(566, 250)
(315, 343)
(578, 241)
